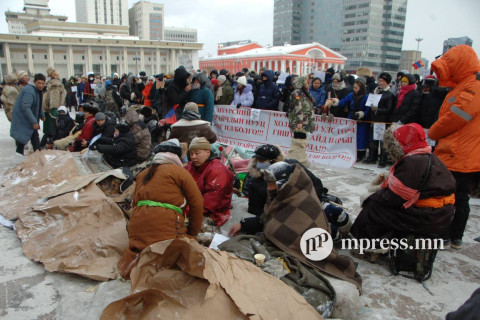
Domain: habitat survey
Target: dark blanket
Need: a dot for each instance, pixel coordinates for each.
(296, 209)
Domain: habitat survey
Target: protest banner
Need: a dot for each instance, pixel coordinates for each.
(332, 143)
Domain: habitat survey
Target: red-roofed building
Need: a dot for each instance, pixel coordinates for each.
(299, 59)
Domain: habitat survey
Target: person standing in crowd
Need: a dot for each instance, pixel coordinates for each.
(146, 91)
(398, 81)
(9, 94)
(317, 91)
(432, 99)
(243, 94)
(116, 81)
(82, 98)
(357, 110)
(268, 93)
(132, 90)
(162, 192)
(224, 92)
(301, 119)
(113, 102)
(27, 113)
(328, 79)
(286, 93)
(53, 98)
(380, 113)
(202, 96)
(408, 101)
(176, 93)
(338, 90)
(191, 126)
(71, 101)
(370, 83)
(88, 91)
(213, 179)
(457, 128)
(213, 74)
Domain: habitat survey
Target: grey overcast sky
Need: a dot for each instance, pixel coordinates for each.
(231, 20)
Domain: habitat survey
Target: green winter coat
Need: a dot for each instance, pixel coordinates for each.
(301, 102)
(227, 94)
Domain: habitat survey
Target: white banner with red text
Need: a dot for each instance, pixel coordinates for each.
(332, 143)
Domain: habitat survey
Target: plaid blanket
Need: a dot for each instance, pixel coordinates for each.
(296, 209)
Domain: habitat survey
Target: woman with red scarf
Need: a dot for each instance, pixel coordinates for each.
(416, 197)
(408, 101)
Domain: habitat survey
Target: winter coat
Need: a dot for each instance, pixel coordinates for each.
(185, 130)
(285, 98)
(339, 94)
(245, 98)
(146, 93)
(62, 127)
(319, 95)
(80, 89)
(215, 182)
(99, 90)
(301, 103)
(268, 93)
(122, 152)
(175, 93)
(383, 214)
(129, 88)
(457, 129)
(227, 94)
(87, 130)
(204, 98)
(113, 102)
(385, 106)
(116, 83)
(430, 106)
(9, 96)
(170, 184)
(107, 130)
(53, 98)
(142, 136)
(407, 112)
(27, 111)
(362, 128)
(71, 96)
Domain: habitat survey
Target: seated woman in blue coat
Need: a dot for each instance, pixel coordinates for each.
(357, 110)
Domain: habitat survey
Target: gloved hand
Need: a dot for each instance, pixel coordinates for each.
(239, 105)
(268, 175)
(161, 122)
(132, 96)
(92, 147)
(330, 117)
(358, 115)
(324, 116)
(139, 80)
(373, 108)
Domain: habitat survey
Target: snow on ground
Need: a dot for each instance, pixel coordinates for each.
(27, 291)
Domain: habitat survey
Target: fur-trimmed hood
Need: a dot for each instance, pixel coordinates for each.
(252, 165)
(391, 144)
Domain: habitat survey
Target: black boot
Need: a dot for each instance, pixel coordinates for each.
(372, 153)
(360, 155)
(383, 159)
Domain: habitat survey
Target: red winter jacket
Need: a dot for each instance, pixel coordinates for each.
(215, 182)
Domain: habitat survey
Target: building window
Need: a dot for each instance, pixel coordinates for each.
(45, 56)
(83, 57)
(64, 57)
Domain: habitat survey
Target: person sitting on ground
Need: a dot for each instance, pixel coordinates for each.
(214, 180)
(416, 197)
(243, 96)
(162, 192)
(123, 152)
(63, 124)
(142, 136)
(255, 188)
(81, 142)
(191, 126)
(151, 121)
(63, 144)
(105, 126)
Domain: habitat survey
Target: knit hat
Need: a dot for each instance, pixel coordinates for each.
(151, 78)
(221, 79)
(100, 116)
(22, 74)
(266, 152)
(223, 72)
(411, 137)
(115, 74)
(330, 70)
(214, 82)
(191, 106)
(122, 128)
(242, 81)
(364, 72)
(10, 79)
(172, 145)
(361, 79)
(337, 76)
(146, 111)
(410, 78)
(108, 83)
(52, 73)
(385, 76)
(62, 108)
(199, 143)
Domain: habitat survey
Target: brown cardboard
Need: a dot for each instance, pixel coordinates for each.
(181, 279)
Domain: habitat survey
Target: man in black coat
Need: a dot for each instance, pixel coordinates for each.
(123, 151)
(62, 125)
(432, 99)
(105, 126)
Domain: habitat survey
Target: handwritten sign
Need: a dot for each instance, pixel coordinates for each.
(255, 115)
(373, 99)
(378, 131)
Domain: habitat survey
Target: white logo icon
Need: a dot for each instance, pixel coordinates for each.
(316, 244)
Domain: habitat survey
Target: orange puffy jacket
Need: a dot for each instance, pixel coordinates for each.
(457, 129)
(146, 92)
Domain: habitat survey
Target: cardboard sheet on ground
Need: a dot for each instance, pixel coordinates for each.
(82, 232)
(180, 279)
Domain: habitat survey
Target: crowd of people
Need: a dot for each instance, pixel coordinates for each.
(166, 120)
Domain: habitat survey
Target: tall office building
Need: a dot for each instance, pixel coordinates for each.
(33, 10)
(146, 20)
(102, 11)
(452, 42)
(368, 32)
(180, 34)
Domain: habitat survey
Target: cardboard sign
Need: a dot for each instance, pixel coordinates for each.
(319, 74)
(378, 131)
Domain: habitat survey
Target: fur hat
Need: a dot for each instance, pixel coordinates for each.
(172, 145)
(90, 108)
(221, 79)
(22, 74)
(146, 111)
(364, 72)
(267, 152)
(242, 80)
(122, 128)
(52, 73)
(191, 106)
(10, 79)
(62, 108)
(391, 144)
(385, 76)
(199, 143)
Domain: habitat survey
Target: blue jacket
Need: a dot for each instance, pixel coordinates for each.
(245, 99)
(80, 89)
(362, 128)
(268, 94)
(27, 111)
(319, 95)
(204, 98)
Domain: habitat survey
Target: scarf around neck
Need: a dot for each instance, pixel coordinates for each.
(403, 92)
(167, 158)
